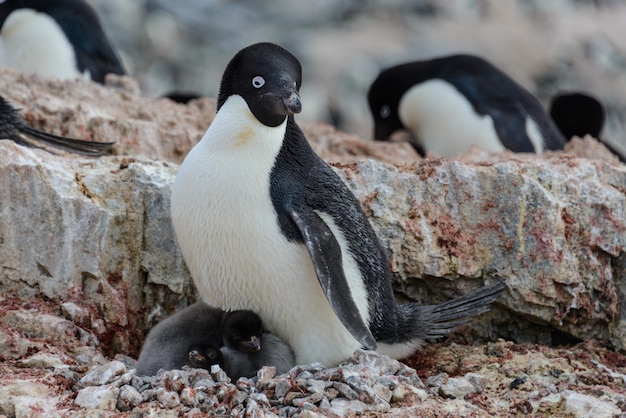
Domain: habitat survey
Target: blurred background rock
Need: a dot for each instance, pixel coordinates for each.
(548, 47)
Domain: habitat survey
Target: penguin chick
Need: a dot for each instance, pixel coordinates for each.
(60, 38)
(14, 127)
(242, 330)
(187, 337)
(265, 224)
(203, 356)
(451, 103)
(273, 352)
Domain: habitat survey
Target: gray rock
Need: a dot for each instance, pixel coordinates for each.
(128, 398)
(104, 374)
(98, 397)
(456, 387)
(585, 406)
(168, 398)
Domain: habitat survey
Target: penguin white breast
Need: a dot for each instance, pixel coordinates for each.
(444, 121)
(33, 42)
(229, 234)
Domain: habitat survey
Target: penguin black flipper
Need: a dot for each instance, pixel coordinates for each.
(13, 127)
(326, 255)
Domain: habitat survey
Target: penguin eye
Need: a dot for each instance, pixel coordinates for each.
(258, 82)
(385, 111)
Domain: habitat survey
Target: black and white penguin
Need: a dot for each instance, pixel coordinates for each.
(265, 224)
(14, 127)
(272, 352)
(60, 38)
(451, 103)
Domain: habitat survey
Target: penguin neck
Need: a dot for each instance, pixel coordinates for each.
(33, 42)
(236, 131)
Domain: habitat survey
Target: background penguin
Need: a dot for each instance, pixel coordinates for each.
(454, 102)
(579, 114)
(13, 127)
(60, 38)
(265, 224)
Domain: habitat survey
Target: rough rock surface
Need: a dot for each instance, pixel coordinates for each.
(88, 262)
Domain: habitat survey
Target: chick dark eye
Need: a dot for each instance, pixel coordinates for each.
(385, 111)
(258, 82)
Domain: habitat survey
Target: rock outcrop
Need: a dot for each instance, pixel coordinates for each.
(89, 261)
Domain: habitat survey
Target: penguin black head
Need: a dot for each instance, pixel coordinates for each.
(268, 78)
(81, 26)
(384, 97)
(242, 331)
(577, 114)
(204, 356)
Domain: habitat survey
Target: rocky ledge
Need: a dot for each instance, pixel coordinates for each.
(89, 262)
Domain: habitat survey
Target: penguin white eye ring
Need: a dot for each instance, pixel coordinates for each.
(385, 111)
(258, 82)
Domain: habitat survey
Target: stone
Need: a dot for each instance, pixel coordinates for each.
(585, 406)
(98, 397)
(456, 387)
(128, 398)
(42, 361)
(101, 375)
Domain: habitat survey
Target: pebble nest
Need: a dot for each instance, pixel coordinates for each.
(365, 383)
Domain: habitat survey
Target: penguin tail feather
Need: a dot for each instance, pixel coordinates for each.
(33, 138)
(436, 321)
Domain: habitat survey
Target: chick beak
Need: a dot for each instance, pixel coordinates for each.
(254, 344)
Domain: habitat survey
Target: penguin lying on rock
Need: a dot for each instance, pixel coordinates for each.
(60, 38)
(13, 127)
(451, 103)
(265, 224)
(201, 336)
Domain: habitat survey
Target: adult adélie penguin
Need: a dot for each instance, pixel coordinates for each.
(60, 38)
(265, 224)
(452, 103)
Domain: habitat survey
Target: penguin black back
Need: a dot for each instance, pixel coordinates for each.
(82, 28)
(489, 91)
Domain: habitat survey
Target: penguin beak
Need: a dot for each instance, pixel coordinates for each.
(292, 103)
(381, 132)
(254, 344)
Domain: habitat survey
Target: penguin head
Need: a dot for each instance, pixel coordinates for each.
(268, 78)
(79, 24)
(204, 356)
(385, 94)
(242, 331)
(577, 114)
